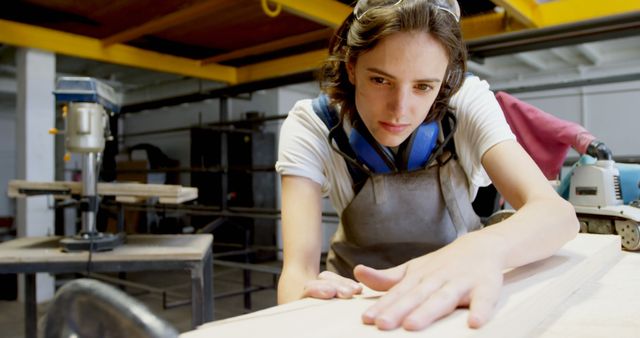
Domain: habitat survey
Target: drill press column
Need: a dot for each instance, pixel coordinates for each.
(87, 129)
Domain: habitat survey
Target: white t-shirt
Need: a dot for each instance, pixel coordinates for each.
(305, 151)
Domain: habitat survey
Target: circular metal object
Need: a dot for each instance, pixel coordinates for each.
(630, 233)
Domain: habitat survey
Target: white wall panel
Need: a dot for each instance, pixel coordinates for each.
(7, 161)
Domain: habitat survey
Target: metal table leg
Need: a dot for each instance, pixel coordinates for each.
(202, 291)
(30, 306)
(197, 289)
(208, 287)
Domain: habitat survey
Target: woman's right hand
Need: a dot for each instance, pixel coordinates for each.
(331, 285)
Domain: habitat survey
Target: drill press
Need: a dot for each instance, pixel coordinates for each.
(87, 104)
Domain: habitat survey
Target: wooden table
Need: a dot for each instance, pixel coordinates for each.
(588, 289)
(30, 255)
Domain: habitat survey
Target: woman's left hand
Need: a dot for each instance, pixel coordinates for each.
(467, 272)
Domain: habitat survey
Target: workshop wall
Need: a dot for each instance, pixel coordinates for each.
(7, 159)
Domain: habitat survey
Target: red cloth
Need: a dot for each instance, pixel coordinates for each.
(545, 137)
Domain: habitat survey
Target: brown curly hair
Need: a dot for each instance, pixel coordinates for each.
(355, 37)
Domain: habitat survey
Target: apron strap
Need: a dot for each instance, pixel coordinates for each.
(457, 200)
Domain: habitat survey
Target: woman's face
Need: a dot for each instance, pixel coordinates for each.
(396, 83)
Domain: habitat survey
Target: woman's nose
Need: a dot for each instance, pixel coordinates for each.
(398, 102)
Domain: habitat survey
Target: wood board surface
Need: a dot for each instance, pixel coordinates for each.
(529, 294)
(606, 307)
(126, 192)
(137, 247)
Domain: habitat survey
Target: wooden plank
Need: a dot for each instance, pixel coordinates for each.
(150, 248)
(528, 295)
(183, 197)
(179, 193)
(139, 189)
(607, 307)
(130, 199)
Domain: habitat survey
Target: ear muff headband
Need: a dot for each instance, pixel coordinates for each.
(377, 158)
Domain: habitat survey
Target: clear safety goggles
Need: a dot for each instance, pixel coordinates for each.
(363, 6)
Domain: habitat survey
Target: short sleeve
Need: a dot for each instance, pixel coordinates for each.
(302, 148)
(481, 125)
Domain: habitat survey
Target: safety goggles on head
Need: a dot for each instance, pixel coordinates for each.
(363, 6)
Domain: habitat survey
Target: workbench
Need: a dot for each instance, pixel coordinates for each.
(30, 255)
(588, 289)
(608, 306)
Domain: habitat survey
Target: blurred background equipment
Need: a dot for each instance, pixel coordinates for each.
(86, 106)
(87, 103)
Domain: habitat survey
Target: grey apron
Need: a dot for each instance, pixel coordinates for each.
(400, 216)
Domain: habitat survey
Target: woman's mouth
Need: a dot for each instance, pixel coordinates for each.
(395, 128)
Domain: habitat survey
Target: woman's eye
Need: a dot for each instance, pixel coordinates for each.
(423, 87)
(378, 80)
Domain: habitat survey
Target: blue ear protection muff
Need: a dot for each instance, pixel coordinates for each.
(413, 153)
(361, 148)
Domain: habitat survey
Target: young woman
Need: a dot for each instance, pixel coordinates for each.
(401, 171)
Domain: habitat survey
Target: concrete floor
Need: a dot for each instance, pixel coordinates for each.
(226, 280)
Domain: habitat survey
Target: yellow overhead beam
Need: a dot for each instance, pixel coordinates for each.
(176, 18)
(332, 13)
(283, 66)
(567, 11)
(539, 15)
(22, 35)
(326, 12)
(525, 11)
(484, 25)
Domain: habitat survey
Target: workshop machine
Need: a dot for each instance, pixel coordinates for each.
(605, 195)
(598, 192)
(87, 104)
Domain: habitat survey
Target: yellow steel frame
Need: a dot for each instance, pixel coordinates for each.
(22, 35)
(326, 12)
(525, 11)
(532, 14)
(482, 25)
(283, 66)
(487, 24)
(567, 11)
